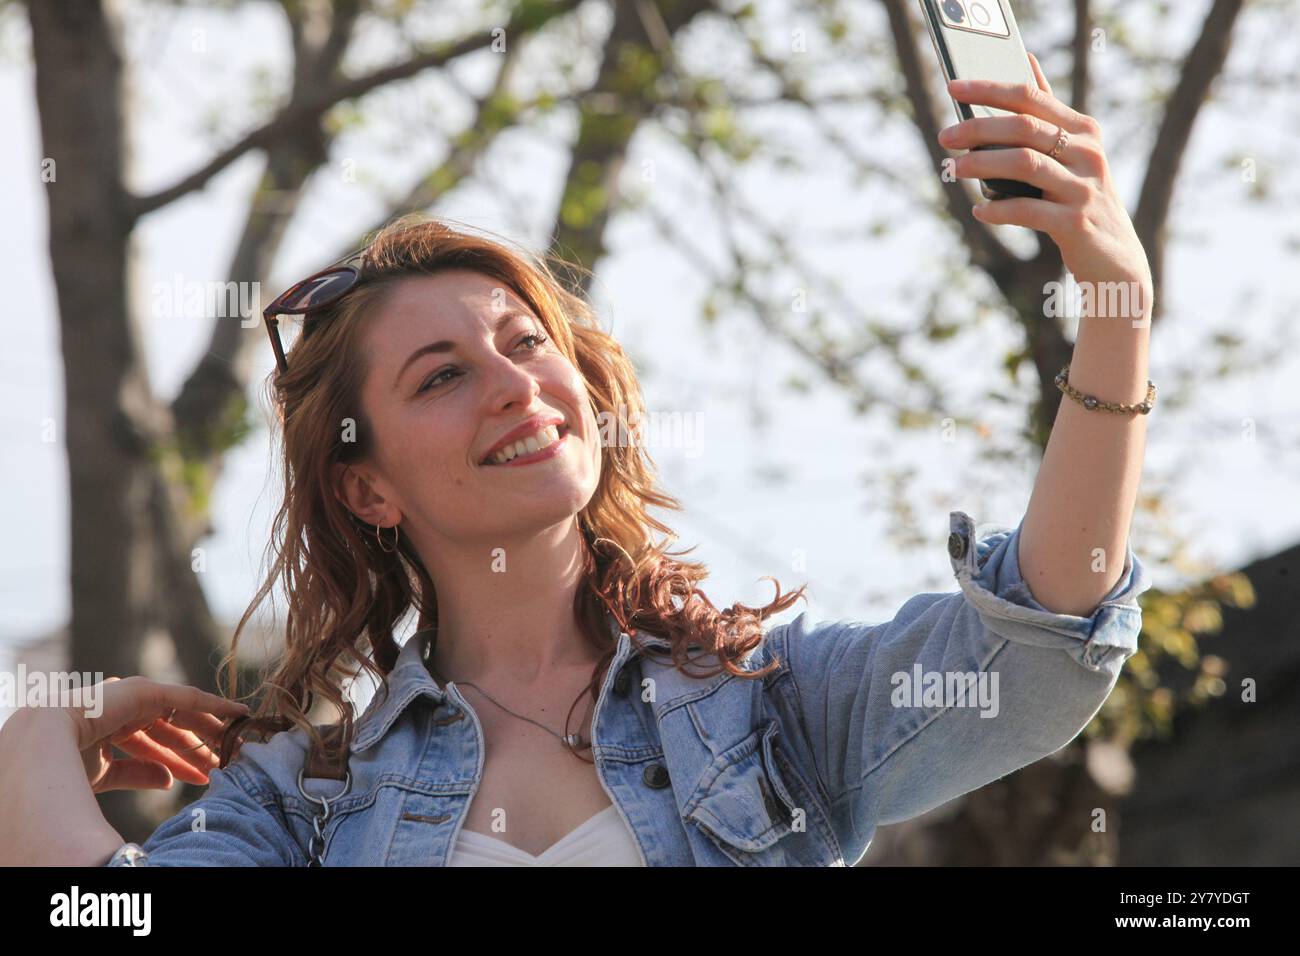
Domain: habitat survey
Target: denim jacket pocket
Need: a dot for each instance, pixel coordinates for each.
(742, 802)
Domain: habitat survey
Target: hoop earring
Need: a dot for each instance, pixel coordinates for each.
(393, 549)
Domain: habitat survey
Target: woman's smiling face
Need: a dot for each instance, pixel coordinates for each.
(456, 361)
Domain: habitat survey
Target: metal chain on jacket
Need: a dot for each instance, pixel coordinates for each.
(316, 848)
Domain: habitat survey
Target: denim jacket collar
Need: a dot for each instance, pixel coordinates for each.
(410, 679)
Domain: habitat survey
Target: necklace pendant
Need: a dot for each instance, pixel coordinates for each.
(573, 741)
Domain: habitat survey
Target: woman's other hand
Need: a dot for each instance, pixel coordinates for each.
(170, 731)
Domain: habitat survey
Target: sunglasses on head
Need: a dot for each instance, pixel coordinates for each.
(309, 295)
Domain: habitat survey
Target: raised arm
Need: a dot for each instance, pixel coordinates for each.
(1079, 514)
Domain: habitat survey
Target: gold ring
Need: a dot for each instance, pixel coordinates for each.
(1062, 138)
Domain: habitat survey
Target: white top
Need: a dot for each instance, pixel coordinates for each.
(604, 840)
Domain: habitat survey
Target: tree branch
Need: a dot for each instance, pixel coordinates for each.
(488, 122)
(304, 116)
(836, 371)
(1203, 64)
(791, 91)
(1079, 68)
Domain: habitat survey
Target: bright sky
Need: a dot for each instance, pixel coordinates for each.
(1235, 498)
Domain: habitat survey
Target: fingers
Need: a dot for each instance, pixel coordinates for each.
(207, 728)
(141, 745)
(184, 744)
(135, 702)
(1019, 130)
(183, 748)
(193, 737)
(157, 699)
(1027, 166)
(1020, 98)
(1038, 75)
(1037, 214)
(135, 775)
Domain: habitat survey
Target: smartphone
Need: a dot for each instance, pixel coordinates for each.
(979, 40)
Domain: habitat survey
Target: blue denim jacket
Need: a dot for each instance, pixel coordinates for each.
(795, 769)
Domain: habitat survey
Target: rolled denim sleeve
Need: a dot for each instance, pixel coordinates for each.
(237, 822)
(884, 753)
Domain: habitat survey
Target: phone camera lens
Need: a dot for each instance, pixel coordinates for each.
(954, 10)
(979, 14)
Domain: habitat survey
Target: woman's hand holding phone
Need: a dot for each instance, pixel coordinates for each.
(1080, 209)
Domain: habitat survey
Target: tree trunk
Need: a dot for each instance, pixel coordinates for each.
(111, 420)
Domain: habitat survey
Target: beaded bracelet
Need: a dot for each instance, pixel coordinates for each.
(1092, 403)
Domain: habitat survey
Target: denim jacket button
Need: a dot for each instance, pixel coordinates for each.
(621, 681)
(655, 776)
(957, 546)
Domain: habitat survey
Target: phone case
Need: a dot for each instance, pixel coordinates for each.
(966, 54)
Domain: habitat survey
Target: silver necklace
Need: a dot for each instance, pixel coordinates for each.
(572, 742)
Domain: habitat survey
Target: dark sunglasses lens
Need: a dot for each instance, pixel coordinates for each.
(313, 293)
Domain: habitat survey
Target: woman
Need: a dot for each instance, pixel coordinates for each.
(570, 696)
